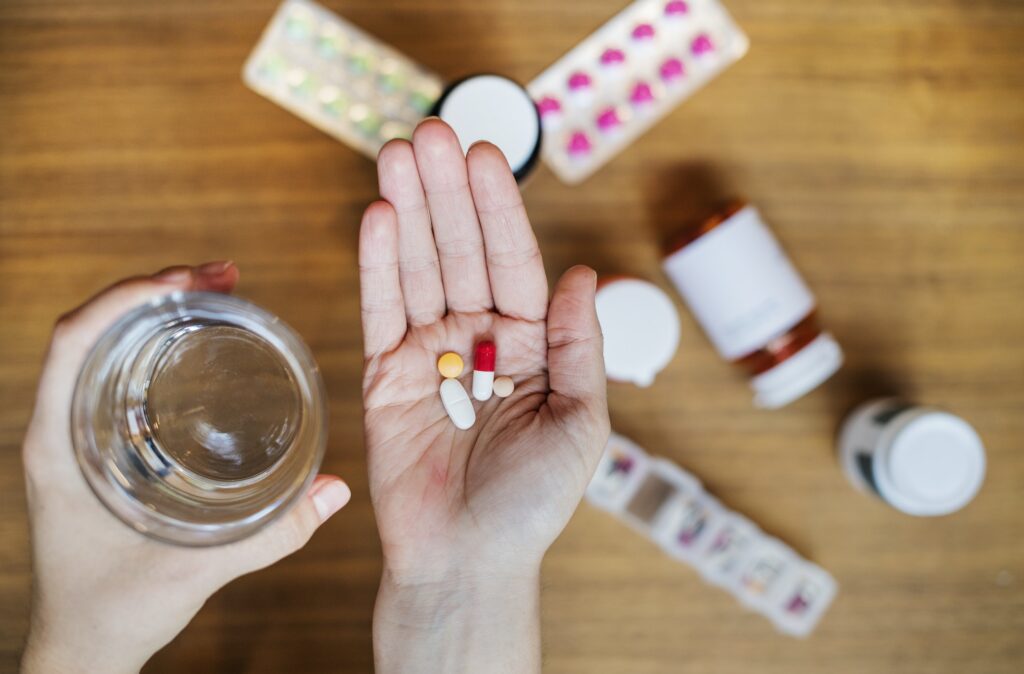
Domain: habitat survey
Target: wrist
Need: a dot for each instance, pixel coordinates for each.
(48, 653)
(465, 620)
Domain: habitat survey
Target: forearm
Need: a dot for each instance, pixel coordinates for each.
(482, 625)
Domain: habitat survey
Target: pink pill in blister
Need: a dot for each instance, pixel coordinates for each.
(613, 57)
(579, 81)
(608, 120)
(579, 144)
(702, 45)
(549, 106)
(641, 94)
(671, 69)
(676, 8)
(643, 31)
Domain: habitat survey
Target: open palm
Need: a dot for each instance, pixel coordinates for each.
(448, 259)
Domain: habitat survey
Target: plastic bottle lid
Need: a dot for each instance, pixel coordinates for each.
(932, 464)
(799, 374)
(641, 329)
(498, 110)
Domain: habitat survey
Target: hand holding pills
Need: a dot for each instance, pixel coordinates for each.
(453, 293)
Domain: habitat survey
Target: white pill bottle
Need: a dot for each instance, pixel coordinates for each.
(920, 460)
(753, 305)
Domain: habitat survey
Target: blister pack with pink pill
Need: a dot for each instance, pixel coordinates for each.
(669, 506)
(339, 78)
(631, 72)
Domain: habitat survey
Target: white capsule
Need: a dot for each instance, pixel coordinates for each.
(457, 404)
(483, 384)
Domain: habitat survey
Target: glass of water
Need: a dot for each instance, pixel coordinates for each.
(198, 418)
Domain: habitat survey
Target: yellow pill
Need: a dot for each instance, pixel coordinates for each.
(503, 387)
(450, 365)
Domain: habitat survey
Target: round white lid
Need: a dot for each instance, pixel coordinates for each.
(641, 329)
(933, 464)
(495, 109)
(799, 374)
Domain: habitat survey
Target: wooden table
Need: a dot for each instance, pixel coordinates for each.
(884, 142)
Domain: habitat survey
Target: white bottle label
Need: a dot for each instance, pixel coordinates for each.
(740, 285)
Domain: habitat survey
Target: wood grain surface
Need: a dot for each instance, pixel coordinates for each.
(884, 142)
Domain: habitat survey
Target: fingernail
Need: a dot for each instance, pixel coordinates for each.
(330, 497)
(176, 274)
(214, 268)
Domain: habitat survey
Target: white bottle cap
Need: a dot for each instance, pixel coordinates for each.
(799, 374)
(931, 463)
(495, 109)
(641, 329)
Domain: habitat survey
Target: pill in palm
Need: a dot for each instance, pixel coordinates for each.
(450, 365)
(503, 387)
(483, 370)
(457, 404)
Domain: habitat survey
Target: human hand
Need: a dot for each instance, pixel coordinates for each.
(105, 598)
(447, 260)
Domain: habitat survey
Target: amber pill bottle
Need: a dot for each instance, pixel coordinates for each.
(753, 304)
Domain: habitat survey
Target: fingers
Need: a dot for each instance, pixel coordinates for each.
(77, 331)
(460, 246)
(418, 266)
(380, 290)
(575, 346)
(290, 533)
(518, 283)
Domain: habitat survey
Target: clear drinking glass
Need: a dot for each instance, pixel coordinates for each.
(198, 418)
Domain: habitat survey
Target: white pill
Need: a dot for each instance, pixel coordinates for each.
(457, 404)
(483, 383)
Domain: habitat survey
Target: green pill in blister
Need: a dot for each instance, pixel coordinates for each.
(360, 62)
(299, 25)
(333, 100)
(366, 120)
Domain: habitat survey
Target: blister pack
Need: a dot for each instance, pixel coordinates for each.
(632, 71)
(670, 506)
(339, 78)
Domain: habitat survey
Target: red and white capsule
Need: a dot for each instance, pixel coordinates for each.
(483, 370)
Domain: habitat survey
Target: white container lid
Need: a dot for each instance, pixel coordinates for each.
(498, 110)
(799, 374)
(932, 463)
(641, 329)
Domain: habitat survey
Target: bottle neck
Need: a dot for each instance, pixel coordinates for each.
(776, 351)
(691, 234)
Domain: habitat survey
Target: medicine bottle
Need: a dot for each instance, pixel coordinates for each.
(920, 460)
(753, 305)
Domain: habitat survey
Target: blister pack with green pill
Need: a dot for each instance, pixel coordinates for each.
(338, 78)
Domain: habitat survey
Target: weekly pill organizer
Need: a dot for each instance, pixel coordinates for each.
(670, 507)
(593, 102)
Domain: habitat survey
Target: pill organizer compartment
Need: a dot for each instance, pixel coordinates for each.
(730, 540)
(648, 504)
(767, 563)
(804, 595)
(621, 470)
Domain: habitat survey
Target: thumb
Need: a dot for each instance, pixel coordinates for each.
(77, 331)
(290, 533)
(575, 345)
